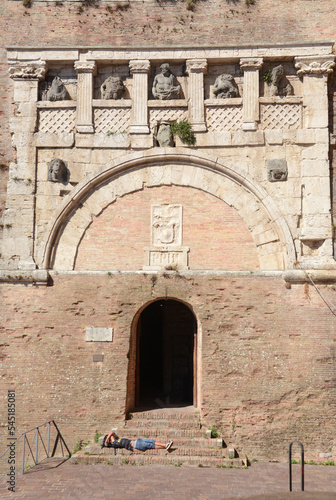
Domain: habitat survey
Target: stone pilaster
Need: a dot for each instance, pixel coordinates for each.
(18, 218)
(314, 72)
(251, 67)
(139, 70)
(315, 232)
(196, 69)
(85, 72)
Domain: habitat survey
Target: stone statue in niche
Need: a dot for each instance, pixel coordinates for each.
(280, 85)
(112, 88)
(57, 91)
(225, 87)
(57, 170)
(164, 84)
(277, 170)
(164, 135)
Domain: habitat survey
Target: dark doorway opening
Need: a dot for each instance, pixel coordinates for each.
(166, 355)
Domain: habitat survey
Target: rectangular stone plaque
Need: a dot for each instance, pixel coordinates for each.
(98, 358)
(99, 334)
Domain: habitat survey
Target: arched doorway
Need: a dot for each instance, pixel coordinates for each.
(166, 355)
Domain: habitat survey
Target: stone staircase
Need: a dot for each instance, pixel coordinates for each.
(191, 446)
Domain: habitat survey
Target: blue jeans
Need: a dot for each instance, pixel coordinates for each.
(144, 444)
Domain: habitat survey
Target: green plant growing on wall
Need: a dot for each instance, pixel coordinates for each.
(97, 436)
(267, 77)
(184, 131)
(214, 433)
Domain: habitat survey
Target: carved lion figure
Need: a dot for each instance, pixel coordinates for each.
(224, 87)
(278, 75)
(57, 171)
(112, 88)
(57, 91)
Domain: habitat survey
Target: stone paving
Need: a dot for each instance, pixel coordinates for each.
(262, 481)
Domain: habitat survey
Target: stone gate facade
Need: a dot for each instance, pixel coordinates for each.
(110, 208)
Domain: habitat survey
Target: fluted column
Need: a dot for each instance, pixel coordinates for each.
(196, 69)
(139, 70)
(85, 71)
(251, 67)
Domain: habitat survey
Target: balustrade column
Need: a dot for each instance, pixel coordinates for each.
(196, 69)
(139, 69)
(85, 72)
(251, 67)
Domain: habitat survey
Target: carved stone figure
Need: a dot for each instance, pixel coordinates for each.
(280, 85)
(57, 91)
(277, 170)
(164, 136)
(167, 224)
(224, 87)
(112, 88)
(57, 171)
(163, 85)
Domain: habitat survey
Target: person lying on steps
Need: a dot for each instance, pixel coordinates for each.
(111, 440)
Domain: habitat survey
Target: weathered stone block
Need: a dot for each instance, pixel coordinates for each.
(99, 334)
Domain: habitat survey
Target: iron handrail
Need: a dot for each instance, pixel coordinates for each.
(46, 446)
(290, 465)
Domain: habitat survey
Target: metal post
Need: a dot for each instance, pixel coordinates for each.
(36, 452)
(23, 451)
(290, 465)
(48, 445)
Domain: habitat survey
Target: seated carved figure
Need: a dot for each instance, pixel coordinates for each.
(224, 87)
(57, 91)
(57, 171)
(163, 85)
(280, 85)
(112, 88)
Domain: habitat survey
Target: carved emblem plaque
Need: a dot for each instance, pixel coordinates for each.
(166, 251)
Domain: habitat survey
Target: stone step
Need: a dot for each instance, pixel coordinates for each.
(160, 423)
(158, 459)
(164, 432)
(94, 449)
(165, 414)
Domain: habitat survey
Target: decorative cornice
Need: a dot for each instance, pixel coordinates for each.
(313, 65)
(139, 66)
(85, 66)
(32, 70)
(251, 63)
(196, 65)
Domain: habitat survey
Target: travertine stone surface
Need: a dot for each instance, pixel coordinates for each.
(111, 149)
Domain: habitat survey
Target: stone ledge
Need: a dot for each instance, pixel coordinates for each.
(36, 277)
(302, 276)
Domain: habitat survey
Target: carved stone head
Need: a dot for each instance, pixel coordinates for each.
(112, 88)
(57, 171)
(57, 91)
(277, 170)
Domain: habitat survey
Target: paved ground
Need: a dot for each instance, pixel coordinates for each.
(261, 481)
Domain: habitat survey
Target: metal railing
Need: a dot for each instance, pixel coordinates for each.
(38, 447)
(290, 465)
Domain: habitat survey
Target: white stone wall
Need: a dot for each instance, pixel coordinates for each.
(291, 222)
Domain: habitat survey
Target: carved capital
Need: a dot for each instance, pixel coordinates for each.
(248, 63)
(314, 65)
(139, 66)
(197, 65)
(85, 66)
(32, 70)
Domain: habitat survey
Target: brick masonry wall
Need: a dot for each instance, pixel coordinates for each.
(216, 235)
(267, 365)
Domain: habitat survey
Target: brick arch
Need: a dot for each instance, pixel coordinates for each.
(163, 167)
